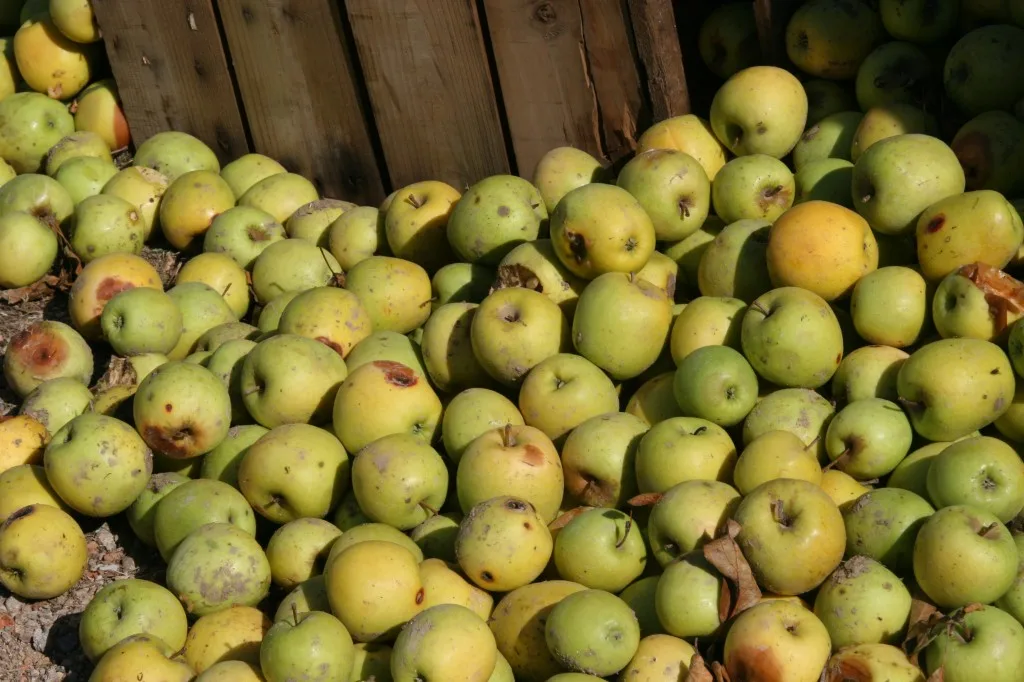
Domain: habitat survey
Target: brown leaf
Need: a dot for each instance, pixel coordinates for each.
(515, 275)
(563, 520)
(924, 625)
(719, 671)
(32, 292)
(938, 676)
(698, 670)
(726, 556)
(972, 607)
(644, 500)
(1003, 293)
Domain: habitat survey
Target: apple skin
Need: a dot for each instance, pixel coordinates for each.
(706, 321)
(182, 410)
(233, 634)
(773, 455)
(243, 233)
(601, 549)
(44, 351)
(734, 265)
(868, 372)
(494, 216)
(687, 516)
(824, 180)
(792, 338)
(983, 472)
(918, 21)
(672, 187)
(589, 243)
(471, 413)
(142, 655)
(830, 39)
(792, 534)
(314, 644)
(759, 110)
(876, 661)
(142, 320)
(778, 636)
(23, 485)
(562, 170)
(883, 524)
(444, 642)
(715, 383)
(890, 307)
(757, 186)
(399, 480)
(42, 552)
(29, 247)
(829, 138)
(687, 597)
(896, 72)
(563, 391)
(683, 449)
(975, 63)
(994, 646)
(503, 544)
(655, 401)
(826, 97)
(598, 459)
(897, 178)
(193, 504)
(975, 387)
(534, 265)
(802, 411)
(416, 221)
(868, 438)
(247, 170)
(593, 632)
(962, 555)
(889, 120)
(640, 597)
(129, 607)
(863, 602)
(988, 148)
(1013, 600)
(728, 41)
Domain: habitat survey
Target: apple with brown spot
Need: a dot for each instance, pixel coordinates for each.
(44, 351)
(777, 641)
(182, 410)
(100, 281)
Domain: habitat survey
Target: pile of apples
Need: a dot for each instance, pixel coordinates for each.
(747, 409)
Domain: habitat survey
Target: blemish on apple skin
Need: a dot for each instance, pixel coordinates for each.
(935, 224)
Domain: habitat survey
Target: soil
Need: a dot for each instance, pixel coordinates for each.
(39, 640)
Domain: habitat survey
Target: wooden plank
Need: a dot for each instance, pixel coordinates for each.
(772, 17)
(430, 86)
(542, 67)
(612, 62)
(657, 41)
(298, 83)
(171, 72)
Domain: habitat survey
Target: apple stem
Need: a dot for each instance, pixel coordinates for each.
(756, 305)
(813, 443)
(506, 436)
(843, 456)
(226, 290)
(909, 405)
(629, 527)
(430, 510)
(295, 613)
(780, 515)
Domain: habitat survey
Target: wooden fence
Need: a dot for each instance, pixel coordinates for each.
(363, 96)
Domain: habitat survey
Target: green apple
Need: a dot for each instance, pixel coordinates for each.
(312, 221)
(890, 120)
(131, 607)
(601, 549)
(687, 516)
(247, 170)
(593, 632)
(792, 535)
(975, 66)
(919, 21)
(683, 449)
(1011, 424)
(792, 338)
(912, 473)
(868, 438)
(598, 459)
(774, 455)
(243, 233)
(514, 329)
(518, 461)
(297, 551)
(503, 544)
(142, 320)
(436, 536)
(193, 504)
(672, 188)
(534, 265)
(954, 386)
(826, 97)
(1011, 601)
(687, 598)
(991, 646)
(221, 463)
(640, 597)
(399, 480)
(799, 410)
(55, 402)
(897, 178)
(314, 646)
(688, 252)
(447, 349)
(728, 40)
(734, 264)
(562, 170)
(493, 217)
(757, 186)
(395, 293)
(43, 351)
(889, 306)
(461, 283)
(716, 383)
(825, 180)
(982, 472)
(444, 642)
(963, 555)
(706, 321)
(655, 400)
(202, 309)
(868, 372)
(781, 631)
(29, 246)
(590, 243)
(895, 72)
(988, 148)
(621, 324)
(829, 138)
(863, 602)
(471, 413)
(883, 524)
(563, 391)
(760, 110)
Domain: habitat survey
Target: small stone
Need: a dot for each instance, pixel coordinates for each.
(13, 606)
(39, 639)
(128, 564)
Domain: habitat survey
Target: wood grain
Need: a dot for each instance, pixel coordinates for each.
(657, 42)
(298, 81)
(430, 87)
(168, 60)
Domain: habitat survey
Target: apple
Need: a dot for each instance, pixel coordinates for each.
(868, 372)
(462, 283)
(182, 508)
(329, 315)
(912, 473)
(142, 320)
(140, 656)
(388, 346)
(706, 321)
(601, 549)
(792, 338)
(683, 449)
(233, 634)
(877, 661)
(774, 455)
(655, 400)
(989, 646)
(382, 398)
(830, 39)
(826, 97)
(42, 552)
(291, 265)
(802, 411)
(589, 243)
(899, 177)
(247, 170)
(974, 65)
(868, 438)
(688, 515)
(416, 222)
(131, 607)
(98, 109)
(444, 642)
(447, 349)
(792, 534)
(593, 632)
(313, 644)
(598, 459)
(889, 120)
(986, 146)
(222, 274)
(503, 544)
(370, 531)
(436, 536)
(31, 124)
(863, 602)
(754, 186)
(919, 21)
(44, 351)
(399, 480)
(896, 72)
(973, 388)
(395, 293)
(494, 216)
(23, 485)
(982, 472)
(562, 170)
(513, 330)
(687, 597)
(829, 138)
(472, 413)
(29, 247)
(49, 61)
(534, 265)
(825, 180)
(780, 636)
(641, 598)
(759, 110)
(672, 187)
(519, 461)
(889, 306)
(355, 235)
(842, 488)
(963, 555)
(243, 233)
(563, 391)
(182, 410)
(728, 42)
(689, 134)
(280, 195)
(312, 221)
(715, 383)
(443, 584)
(202, 308)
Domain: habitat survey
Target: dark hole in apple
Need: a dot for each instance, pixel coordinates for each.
(936, 223)
(21, 513)
(485, 576)
(631, 244)
(516, 505)
(684, 207)
(577, 246)
(510, 314)
(420, 594)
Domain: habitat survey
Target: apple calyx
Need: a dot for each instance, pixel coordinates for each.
(779, 514)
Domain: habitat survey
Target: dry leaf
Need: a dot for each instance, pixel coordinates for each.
(32, 292)
(1003, 293)
(938, 676)
(740, 590)
(515, 275)
(698, 670)
(563, 520)
(644, 500)
(719, 672)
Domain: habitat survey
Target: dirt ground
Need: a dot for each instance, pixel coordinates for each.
(39, 640)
